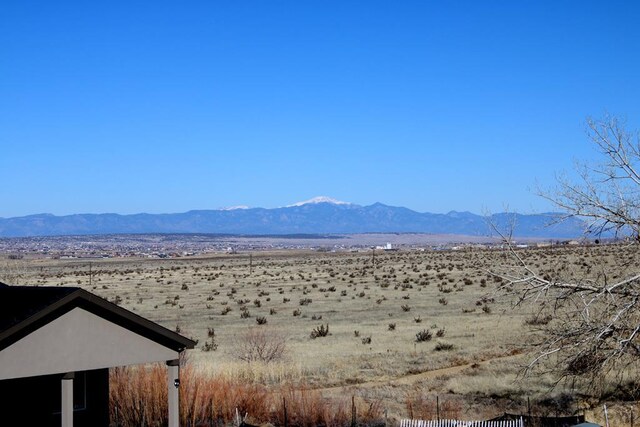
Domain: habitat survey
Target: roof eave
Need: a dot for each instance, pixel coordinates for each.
(75, 299)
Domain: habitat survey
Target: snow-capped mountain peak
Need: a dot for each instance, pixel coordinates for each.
(233, 208)
(319, 199)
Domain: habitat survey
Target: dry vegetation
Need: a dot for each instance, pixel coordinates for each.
(139, 397)
(394, 333)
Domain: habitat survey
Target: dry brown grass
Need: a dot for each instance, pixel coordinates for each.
(138, 396)
(348, 292)
(424, 407)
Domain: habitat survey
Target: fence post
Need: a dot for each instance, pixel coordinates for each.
(353, 411)
(284, 410)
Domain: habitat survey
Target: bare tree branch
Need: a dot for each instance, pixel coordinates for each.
(596, 326)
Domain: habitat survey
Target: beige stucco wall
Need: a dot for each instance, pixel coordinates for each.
(78, 341)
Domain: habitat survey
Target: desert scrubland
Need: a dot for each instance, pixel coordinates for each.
(394, 329)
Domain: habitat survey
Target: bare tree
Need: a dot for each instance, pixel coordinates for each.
(595, 329)
(261, 344)
(607, 195)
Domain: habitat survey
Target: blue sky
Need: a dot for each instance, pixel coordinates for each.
(169, 106)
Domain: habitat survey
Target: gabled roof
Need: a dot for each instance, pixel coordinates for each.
(23, 309)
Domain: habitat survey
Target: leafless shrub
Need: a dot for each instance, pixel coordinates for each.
(260, 345)
(210, 344)
(538, 320)
(320, 331)
(441, 346)
(424, 335)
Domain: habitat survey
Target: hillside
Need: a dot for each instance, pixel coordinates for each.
(325, 216)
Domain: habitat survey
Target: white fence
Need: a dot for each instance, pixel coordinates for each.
(457, 423)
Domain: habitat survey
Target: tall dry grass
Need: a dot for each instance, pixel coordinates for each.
(424, 407)
(273, 373)
(138, 396)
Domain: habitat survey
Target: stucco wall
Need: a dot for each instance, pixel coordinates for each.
(78, 341)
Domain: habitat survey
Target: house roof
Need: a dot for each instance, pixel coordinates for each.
(23, 309)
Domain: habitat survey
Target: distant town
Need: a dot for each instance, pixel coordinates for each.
(185, 245)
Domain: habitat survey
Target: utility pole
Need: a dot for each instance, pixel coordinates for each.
(250, 264)
(373, 260)
(90, 275)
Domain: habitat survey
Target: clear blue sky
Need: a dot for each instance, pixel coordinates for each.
(168, 106)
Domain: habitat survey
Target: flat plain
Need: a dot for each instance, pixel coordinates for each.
(397, 327)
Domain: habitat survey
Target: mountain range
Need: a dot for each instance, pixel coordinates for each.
(321, 215)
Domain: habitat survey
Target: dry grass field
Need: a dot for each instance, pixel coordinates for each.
(403, 327)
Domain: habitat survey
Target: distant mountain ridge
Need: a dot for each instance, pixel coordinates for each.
(321, 215)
